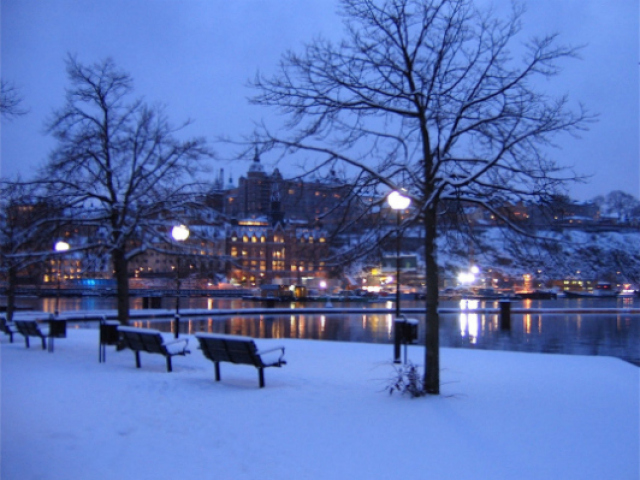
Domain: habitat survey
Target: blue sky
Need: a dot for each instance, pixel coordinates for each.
(196, 57)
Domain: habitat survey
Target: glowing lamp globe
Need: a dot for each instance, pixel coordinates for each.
(397, 201)
(61, 246)
(180, 233)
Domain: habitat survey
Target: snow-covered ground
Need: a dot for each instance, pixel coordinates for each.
(325, 415)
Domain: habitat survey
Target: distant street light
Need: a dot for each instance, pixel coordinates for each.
(59, 247)
(179, 233)
(397, 202)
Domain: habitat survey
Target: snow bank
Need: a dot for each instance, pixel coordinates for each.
(324, 415)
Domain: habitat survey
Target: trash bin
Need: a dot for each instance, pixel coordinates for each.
(410, 330)
(109, 335)
(109, 332)
(58, 328)
(406, 332)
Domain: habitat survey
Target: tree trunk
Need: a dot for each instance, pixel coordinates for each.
(120, 265)
(432, 335)
(11, 293)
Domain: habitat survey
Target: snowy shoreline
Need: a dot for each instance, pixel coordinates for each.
(325, 414)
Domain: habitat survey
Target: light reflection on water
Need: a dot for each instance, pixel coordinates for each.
(586, 334)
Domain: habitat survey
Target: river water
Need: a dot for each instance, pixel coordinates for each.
(608, 334)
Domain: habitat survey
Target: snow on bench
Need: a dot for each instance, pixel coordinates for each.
(239, 350)
(151, 341)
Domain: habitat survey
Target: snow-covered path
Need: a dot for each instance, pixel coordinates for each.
(324, 415)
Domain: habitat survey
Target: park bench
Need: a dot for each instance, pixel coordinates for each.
(238, 350)
(31, 328)
(9, 328)
(151, 341)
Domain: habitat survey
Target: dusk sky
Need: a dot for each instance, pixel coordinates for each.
(196, 57)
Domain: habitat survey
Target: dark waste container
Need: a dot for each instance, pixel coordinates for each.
(109, 335)
(109, 332)
(406, 332)
(410, 330)
(58, 328)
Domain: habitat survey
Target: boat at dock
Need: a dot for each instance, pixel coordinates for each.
(601, 290)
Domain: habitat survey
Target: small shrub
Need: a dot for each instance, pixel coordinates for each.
(408, 381)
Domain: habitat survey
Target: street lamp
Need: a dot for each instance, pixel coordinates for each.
(179, 233)
(59, 247)
(397, 202)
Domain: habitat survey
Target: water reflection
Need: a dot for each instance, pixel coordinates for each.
(469, 326)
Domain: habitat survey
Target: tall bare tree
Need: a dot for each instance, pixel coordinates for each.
(122, 160)
(426, 95)
(28, 225)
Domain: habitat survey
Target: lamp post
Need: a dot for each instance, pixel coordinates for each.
(397, 202)
(179, 233)
(59, 247)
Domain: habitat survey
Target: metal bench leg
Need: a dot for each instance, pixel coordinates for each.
(137, 359)
(217, 368)
(26, 341)
(261, 376)
(169, 369)
(44, 343)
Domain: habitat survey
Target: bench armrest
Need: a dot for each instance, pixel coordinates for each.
(260, 352)
(173, 347)
(272, 358)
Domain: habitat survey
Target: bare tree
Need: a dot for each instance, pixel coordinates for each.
(11, 101)
(120, 159)
(620, 204)
(425, 95)
(28, 223)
